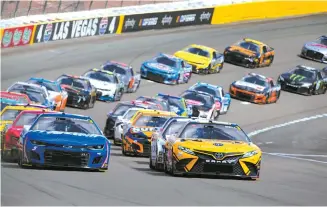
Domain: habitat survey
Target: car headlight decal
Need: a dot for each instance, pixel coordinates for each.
(95, 147)
(38, 143)
(186, 150)
(250, 154)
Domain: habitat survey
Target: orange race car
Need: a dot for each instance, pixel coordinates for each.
(250, 53)
(255, 88)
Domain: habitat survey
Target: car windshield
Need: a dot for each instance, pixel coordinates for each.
(198, 51)
(10, 114)
(164, 105)
(66, 124)
(130, 114)
(121, 109)
(305, 73)
(213, 131)
(34, 96)
(151, 121)
(206, 89)
(173, 128)
(26, 119)
(74, 82)
(18, 88)
(249, 46)
(100, 76)
(49, 86)
(322, 40)
(115, 69)
(255, 80)
(166, 61)
(205, 100)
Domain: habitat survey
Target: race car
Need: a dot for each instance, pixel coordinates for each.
(64, 140)
(80, 92)
(205, 103)
(9, 148)
(108, 83)
(166, 69)
(10, 112)
(250, 53)
(120, 109)
(203, 59)
(304, 80)
(18, 97)
(255, 88)
(218, 93)
(36, 93)
(159, 140)
(126, 74)
(137, 135)
(124, 120)
(177, 104)
(316, 50)
(205, 147)
(56, 93)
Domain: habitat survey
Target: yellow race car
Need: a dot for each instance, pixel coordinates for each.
(212, 148)
(137, 135)
(203, 59)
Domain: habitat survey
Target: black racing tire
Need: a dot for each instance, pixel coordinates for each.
(271, 60)
(123, 150)
(324, 91)
(217, 116)
(150, 164)
(118, 95)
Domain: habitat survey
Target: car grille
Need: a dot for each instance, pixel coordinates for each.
(202, 167)
(146, 148)
(314, 55)
(244, 96)
(66, 159)
(155, 77)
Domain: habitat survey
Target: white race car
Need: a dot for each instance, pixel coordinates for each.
(36, 93)
(159, 139)
(107, 83)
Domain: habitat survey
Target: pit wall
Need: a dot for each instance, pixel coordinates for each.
(54, 27)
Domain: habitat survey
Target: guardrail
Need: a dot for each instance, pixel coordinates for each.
(42, 29)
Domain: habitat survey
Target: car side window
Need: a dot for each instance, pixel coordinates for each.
(271, 84)
(319, 76)
(264, 49)
(214, 55)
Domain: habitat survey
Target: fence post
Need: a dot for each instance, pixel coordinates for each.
(105, 6)
(17, 4)
(29, 7)
(2, 6)
(45, 6)
(76, 5)
(90, 6)
(121, 3)
(59, 6)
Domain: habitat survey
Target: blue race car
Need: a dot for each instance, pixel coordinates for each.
(166, 69)
(64, 140)
(216, 91)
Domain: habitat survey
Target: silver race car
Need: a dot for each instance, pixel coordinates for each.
(126, 74)
(159, 138)
(316, 50)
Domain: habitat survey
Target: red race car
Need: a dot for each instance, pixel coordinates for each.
(19, 97)
(11, 137)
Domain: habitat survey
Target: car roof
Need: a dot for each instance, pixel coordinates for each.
(74, 77)
(102, 71)
(254, 41)
(208, 85)
(209, 49)
(172, 57)
(262, 77)
(43, 80)
(306, 68)
(156, 112)
(112, 62)
(28, 84)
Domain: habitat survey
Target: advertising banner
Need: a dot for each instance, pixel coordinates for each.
(16, 36)
(164, 20)
(76, 29)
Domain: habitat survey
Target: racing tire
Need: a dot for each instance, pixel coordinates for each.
(215, 118)
(150, 164)
(324, 91)
(118, 95)
(271, 61)
(277, 97)
(20, 162)
(220, 68)
(92, 103)
(123, 150)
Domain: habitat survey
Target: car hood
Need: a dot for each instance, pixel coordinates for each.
(316, 47)
(102, 84)
(249, 86)
(295, 79)
(160, 67)
(217, 145)
(71, 89)
(192, 58)
(242, 50)
(74, 139)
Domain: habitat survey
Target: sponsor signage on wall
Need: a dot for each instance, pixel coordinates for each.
(17, 36)
(75, 29)
(164, 20)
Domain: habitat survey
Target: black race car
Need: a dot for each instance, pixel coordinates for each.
(81, 93)
(304, 80)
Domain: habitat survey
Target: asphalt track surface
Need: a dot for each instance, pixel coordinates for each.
(284, 180)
